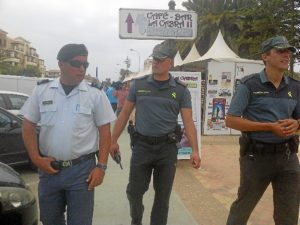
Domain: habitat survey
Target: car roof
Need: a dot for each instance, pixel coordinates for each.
(9, 113)
(13, 92)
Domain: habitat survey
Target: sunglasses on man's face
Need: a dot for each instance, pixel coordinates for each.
(158, 60)
(78, 64)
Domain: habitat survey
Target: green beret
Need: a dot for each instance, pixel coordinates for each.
(166, 49)
(278, 42)
(69, 51)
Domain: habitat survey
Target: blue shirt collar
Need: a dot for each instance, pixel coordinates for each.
(264, 79)
(172, 82)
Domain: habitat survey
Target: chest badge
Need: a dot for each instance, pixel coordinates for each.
(290, 94)
(173, 95)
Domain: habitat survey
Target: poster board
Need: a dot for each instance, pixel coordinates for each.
(193, 82)
(222, 81)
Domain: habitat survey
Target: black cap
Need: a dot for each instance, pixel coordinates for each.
(69, 51)
(166, 49)
(278, 42)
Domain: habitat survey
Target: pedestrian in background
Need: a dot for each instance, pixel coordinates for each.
(74, 123)
(266, 108)
(158, 99)
(112, 99)
(121, 95)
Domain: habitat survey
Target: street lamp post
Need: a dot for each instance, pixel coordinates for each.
(133, 50)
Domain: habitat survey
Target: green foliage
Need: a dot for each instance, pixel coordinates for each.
(30, 71)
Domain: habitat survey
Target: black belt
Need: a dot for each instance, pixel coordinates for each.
(262, 147)
(153, 140)
(61, 164)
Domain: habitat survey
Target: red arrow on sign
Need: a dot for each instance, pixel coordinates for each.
(129, 22)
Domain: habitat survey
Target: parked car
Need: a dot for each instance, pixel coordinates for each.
(12, 148)
(12, 101)
(18, 205)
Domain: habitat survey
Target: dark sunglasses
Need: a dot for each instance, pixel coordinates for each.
(158, 60)
(78, 64)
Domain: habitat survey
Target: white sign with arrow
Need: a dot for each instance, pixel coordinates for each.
(157, 24)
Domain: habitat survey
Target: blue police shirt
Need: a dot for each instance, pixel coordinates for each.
(157, 107)
(258, 100)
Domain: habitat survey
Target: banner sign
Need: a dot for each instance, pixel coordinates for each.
(157, 24)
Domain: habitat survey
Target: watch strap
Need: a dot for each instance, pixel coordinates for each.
(101, 166)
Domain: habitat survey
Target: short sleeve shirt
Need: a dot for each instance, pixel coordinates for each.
(68, 123)
(157, 107)
(257, 99)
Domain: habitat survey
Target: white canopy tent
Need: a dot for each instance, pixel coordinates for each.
(177, 60)
(192, 56)
(140, 74)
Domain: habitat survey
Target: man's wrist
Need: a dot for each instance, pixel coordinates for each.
(101, 166)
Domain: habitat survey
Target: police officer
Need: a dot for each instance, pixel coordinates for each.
(158, 99)
(266, 109)
(74, 123)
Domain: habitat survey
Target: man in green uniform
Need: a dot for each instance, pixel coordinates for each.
(158, 99)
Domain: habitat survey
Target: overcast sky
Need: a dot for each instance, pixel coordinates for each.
(50, 24)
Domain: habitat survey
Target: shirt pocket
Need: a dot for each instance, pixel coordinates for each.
(83, 116)
(48, 117)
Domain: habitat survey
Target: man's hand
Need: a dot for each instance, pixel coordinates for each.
(44, 164)
(114, 148)
(95, 178)
(195, 159)
(289, 126)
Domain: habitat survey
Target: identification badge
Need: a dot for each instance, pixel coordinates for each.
(49, 102)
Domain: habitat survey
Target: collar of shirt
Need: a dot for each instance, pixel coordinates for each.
(171, 83)
(81, 87)
(264, 79)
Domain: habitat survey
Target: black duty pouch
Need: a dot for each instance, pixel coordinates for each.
(294, 144)
(244, 145)
(178, 132)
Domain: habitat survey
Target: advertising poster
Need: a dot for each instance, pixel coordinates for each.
(193, 82)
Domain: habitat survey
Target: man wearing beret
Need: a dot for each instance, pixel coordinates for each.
(158, 99)
(74, 121)
(266, 108)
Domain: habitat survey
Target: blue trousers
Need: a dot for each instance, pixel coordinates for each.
(159, 160)
(67, 192)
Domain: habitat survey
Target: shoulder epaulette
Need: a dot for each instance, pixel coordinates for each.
(180, 82)
(44, 81)
(248, 77)
(293, 78)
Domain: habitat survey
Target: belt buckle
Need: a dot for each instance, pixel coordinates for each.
(66, 163)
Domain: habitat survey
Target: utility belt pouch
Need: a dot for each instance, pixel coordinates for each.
(244, 145)
(178, 132)
(293, 144)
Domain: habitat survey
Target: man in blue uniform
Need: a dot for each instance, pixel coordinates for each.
(74, 123)
(266, 109)
(158, 99)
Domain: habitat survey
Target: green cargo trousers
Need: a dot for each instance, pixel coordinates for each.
(147, 159)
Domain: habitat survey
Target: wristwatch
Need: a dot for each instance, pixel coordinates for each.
(101, 166)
